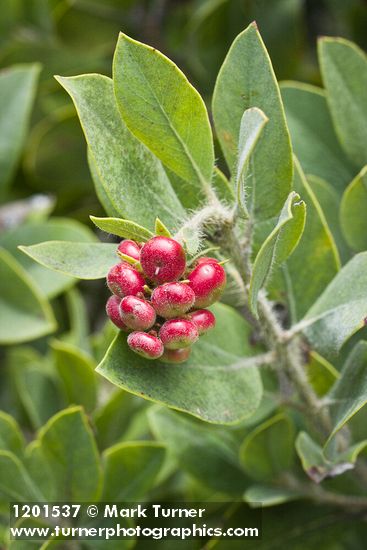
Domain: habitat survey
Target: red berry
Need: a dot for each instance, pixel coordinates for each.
(113, 312)
(173, 299)
(207, 280)
(206, 260)
(130, 248)
(124, 280)
(203, 319)
(136, 313)
(176, 355)
(146, 345)
(163, 259)
(178, 333)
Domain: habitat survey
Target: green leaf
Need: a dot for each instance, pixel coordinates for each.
(344, 73)
(131, 470)
(265, 495)
(315, 261)
(317, 466)
(353, 210)
(320, 373)
(63, 229)
(38, 389)
(279, 245)
(313, 136)
(252, 125)
(40, 471)
(223, 187)
(123, 228)
(102, 195)
(329, 201)
(247, 80)
(15, 483)
(11, 438)
(217, 383)
(128, 259)
(341, 309)
(79, 320)
(133, 180)
(200, 451)
(69, 448)
(267, 452)
(17, 92)
(114, 417)
(80, 260)
(161, 229)
(164, 111)
(190, 239)
(349, 394)
(25, 313)
(76, 372)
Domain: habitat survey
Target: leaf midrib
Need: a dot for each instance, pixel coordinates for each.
(200, 176)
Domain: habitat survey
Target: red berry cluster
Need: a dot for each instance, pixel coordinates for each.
(159, 301)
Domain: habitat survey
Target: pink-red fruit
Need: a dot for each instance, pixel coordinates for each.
(207, 280)
(178, 333)
(203, 319)
(176, 355)
(124, 280)
(113, 312)
(163, 260)
(172, 299)
(130, 248)
(146, 345)
(136, 313)
(206, 260)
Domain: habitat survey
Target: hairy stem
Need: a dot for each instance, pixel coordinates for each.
(289, 350)
(318, 494)
(213, 215)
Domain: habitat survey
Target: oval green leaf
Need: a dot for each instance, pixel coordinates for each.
(25, 314)
(131, 470)
(279, 245)
(344, 72)
(349, 393)
(11, 438)
(200, 450)
(268, 451)
(314, 262)
(80, 260)
(353, 210)
(317, 465)
(164, 111)
(313, 136)
(123, 228)
(33, 232)
(17, 92)
(341, 310)
(68, 446)
(252, 124)
(246, 79)
(76, 372)
(217, 384)
(132, 178)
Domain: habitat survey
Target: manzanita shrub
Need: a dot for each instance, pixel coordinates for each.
(284, 369)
